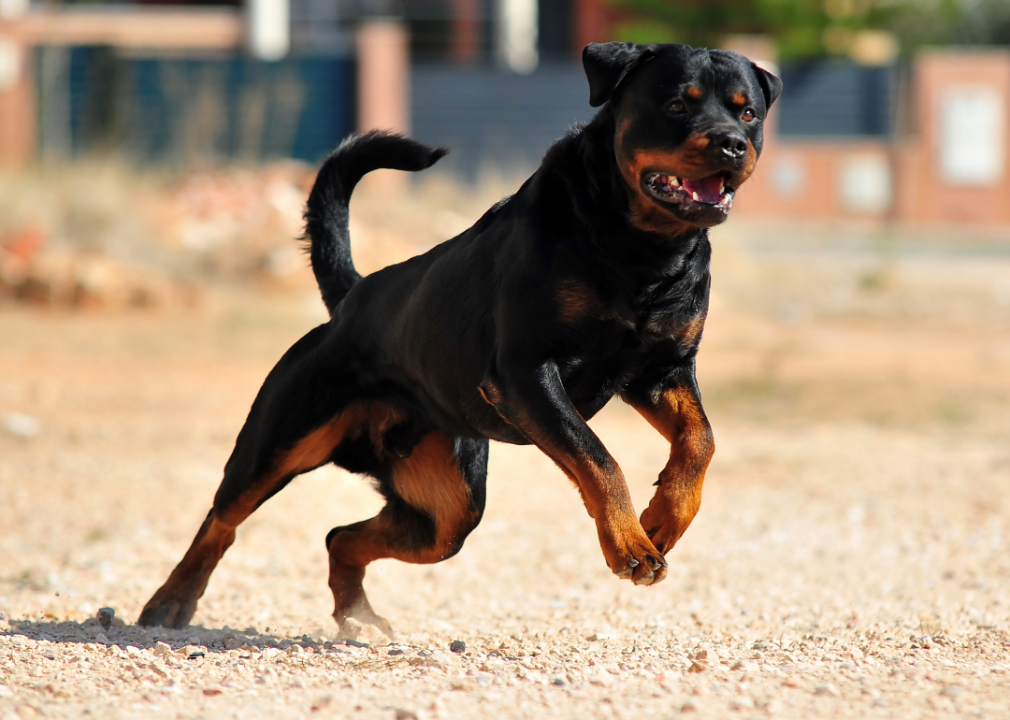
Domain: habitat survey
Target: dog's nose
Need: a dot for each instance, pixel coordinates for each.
(732, 143)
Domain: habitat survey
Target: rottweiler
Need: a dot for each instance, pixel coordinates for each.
(591, 281)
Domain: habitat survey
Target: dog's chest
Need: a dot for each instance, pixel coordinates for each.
(623, 342)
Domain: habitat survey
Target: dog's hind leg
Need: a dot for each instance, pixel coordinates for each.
(298, 418)
(435, 497)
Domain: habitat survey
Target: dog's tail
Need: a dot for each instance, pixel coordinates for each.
(326, 226)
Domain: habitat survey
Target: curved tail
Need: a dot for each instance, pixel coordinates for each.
(326, 216)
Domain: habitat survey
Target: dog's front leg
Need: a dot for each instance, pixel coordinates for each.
(674, 409)
(535, 402)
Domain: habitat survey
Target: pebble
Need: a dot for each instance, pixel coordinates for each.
(601, 679)
(100, 637)
(827, 689)
(20, 425)
(457, 646)
(105, 617)
(162, 649)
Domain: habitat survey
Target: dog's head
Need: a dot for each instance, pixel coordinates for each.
(688, 126)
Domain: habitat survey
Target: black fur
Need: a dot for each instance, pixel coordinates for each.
(326, 215)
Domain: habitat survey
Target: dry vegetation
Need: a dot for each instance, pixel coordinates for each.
(850, 559)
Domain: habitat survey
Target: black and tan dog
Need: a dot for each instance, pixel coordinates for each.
(591, 281)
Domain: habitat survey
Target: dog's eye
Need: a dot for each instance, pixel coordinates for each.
(677, 107)
(748, 115)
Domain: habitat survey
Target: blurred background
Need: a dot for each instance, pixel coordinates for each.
(169, 133)
(895, 112)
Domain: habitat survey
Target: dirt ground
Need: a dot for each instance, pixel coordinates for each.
(850, 559)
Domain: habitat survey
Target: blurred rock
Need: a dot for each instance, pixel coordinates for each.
(20, 425)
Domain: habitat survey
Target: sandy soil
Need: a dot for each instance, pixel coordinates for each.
(850, 559)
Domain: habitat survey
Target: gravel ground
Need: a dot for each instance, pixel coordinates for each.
(850, 559)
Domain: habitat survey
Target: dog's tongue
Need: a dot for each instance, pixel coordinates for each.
(709, 189)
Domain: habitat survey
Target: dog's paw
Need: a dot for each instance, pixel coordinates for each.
(635, 558)
(664, 525)
(167, 612)
(371, 633)
(362, 624)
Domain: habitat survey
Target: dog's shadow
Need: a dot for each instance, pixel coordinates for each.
(198, 639)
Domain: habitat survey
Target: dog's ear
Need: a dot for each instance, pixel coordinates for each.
(608, 64)
(771, 86)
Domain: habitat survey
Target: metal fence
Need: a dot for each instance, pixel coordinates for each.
(183, 109)
(495, 119)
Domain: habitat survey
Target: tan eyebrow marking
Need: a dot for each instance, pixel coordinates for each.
(694, 92)
(739, 99)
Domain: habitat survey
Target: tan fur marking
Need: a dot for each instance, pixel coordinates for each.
(429, 480)
(680, 419)
(749, 165)
(739, 99)
(693, 92)
(689, 160)
(575, 301)
(315, 449)
(691, 331)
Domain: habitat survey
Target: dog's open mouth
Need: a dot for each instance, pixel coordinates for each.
(711, 191)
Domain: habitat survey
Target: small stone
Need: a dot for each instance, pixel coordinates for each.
(104, 617)
(295, 650)
(457, 646)
(162, 649)
(602, 679)
(271, 653)
(402, 714)
(194, 640)
(699, 661)
(742, 703)
(598, 637)
(952, 691)
(100, 637)
(212, 691)
(133, 651)
(828, 689)
(20, 425)
(445, 661)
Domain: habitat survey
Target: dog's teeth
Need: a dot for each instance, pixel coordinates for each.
(694, 196)
(674, 181)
